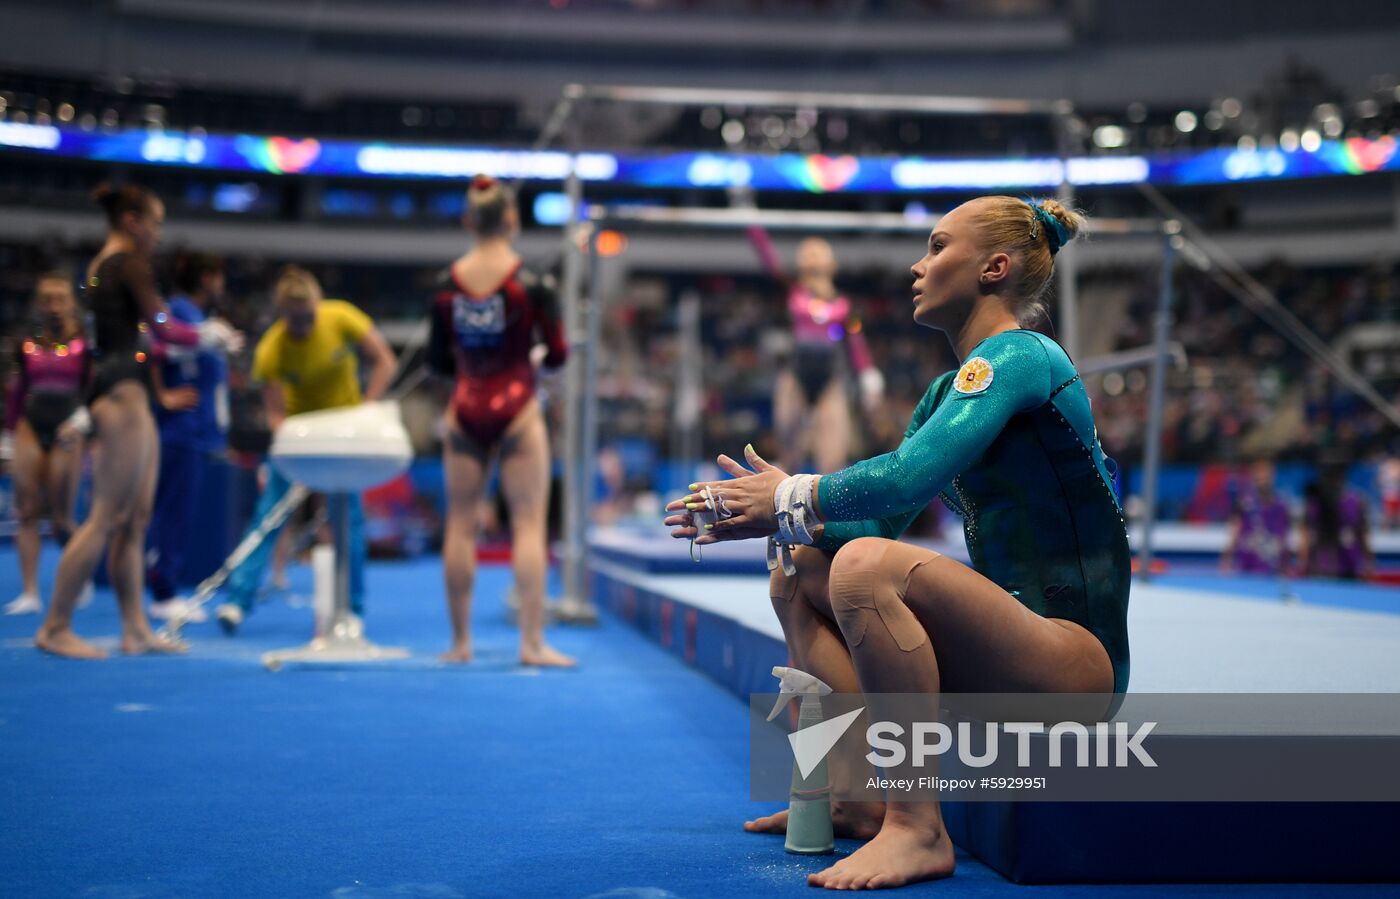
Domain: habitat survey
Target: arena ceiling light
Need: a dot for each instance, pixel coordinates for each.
(1110, 137)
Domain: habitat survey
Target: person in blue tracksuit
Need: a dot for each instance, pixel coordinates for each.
(190, 401)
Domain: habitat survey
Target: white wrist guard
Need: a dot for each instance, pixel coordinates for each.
(781, 551)
(792, 502)
(80, 420)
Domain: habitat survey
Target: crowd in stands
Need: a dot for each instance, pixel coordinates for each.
(1246, 392)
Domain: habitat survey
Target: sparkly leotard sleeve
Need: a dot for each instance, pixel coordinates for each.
(838, 533)
(957, 432)
(1009, 443)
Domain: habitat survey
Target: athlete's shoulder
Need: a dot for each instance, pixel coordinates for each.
(132, 269)
(1017, 349)
(443, 281)
(1018, 358)
(1041, 353)
(535, 282)
(444, 288)
(343, 310)
(269, 347)
(1015, 342)
(1053, 351)
(274, 335)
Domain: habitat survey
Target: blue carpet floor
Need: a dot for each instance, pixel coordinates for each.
(208, 776)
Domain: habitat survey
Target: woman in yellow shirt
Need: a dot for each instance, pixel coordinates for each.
(307, 361)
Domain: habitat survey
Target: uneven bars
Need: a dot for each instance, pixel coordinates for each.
(696, 96)
(1134, 358)
(817, 220)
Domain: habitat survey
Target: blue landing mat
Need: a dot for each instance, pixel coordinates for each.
(1185, 641)
(649, 553)
(207, 776)
(1334, 594)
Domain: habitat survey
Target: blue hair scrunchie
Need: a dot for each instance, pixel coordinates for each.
(1056, 234)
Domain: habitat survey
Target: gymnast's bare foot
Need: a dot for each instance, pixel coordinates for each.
(545, 656)
(849, 820)
(149, 643)
(67, 644)
(459, 654)
(900, 853)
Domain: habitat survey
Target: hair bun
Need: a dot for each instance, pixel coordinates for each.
(117, 200)
(483, 182)
(1071, 221)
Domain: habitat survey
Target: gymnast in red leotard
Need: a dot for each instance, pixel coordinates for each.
(486, 341)
(487, 323)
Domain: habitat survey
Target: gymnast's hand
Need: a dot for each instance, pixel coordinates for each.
(748, 499)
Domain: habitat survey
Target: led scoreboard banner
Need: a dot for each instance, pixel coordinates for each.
(814, 173)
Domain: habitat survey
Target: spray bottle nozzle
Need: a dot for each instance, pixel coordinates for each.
(795, 683)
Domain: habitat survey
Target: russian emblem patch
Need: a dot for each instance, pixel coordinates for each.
(974, 377)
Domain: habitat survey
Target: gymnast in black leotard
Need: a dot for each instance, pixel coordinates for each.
(131, 325)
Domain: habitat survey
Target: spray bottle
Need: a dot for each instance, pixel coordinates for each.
(809, 800)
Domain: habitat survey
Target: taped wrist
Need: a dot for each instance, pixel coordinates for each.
(792, 502)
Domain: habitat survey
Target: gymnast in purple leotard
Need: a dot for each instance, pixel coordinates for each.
(1257, 541)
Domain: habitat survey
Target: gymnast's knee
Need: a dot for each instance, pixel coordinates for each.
(783, 587)
(27, 507)
(861, 554)
(867, 596)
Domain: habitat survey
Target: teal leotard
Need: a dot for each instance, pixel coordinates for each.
(1009, 443)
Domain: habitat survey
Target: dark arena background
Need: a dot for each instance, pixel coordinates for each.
(718, 204)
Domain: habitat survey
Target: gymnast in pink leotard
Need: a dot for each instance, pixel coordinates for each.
(49, 381)
(811, 398)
